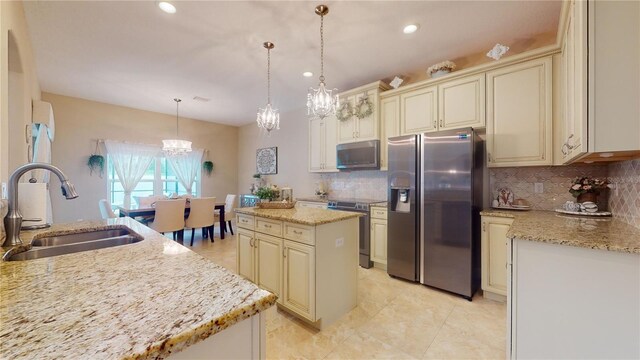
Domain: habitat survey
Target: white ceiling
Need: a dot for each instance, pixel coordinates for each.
(133, 54)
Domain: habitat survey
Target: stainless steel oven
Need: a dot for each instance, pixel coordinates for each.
(361, 206)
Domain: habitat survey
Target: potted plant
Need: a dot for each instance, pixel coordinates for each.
(266, 193)
(587, 188)
(207, 166)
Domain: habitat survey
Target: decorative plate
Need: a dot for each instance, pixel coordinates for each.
(584, 213)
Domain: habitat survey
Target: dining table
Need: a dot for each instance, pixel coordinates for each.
(134, 211)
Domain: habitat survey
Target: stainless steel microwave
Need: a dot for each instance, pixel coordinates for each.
(363, 155)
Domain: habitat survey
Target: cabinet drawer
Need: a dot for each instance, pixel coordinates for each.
(270, 227)
(301, 233)
(379, 213)
(245, 221)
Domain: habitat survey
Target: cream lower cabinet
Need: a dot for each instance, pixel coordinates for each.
(494, 245)
(312, 269)
(378, 236)
(519, 127)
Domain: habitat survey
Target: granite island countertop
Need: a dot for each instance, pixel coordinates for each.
(138, 301)
(305, 216)
(555, 228)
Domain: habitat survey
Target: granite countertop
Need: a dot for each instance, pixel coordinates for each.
(313, 199)
(382, 204)
(588, 232)
(305, 216)
(144, 300)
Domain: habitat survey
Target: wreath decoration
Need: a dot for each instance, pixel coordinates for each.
(364, 108)
(345, 111)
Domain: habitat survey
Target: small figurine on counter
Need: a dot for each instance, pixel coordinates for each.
(505, 197)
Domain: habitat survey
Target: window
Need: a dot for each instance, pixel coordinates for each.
(159, 179)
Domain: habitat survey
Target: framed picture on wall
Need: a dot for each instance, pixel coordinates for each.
(267, 161)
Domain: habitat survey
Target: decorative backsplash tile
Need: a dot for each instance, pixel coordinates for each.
(363, 184)
(624, 200)
(555, 180)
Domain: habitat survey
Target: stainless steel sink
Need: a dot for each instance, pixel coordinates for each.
(79, 237)
(73, 243)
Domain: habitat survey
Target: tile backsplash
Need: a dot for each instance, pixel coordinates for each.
(624, 201)
(362, 184)
(555, 181)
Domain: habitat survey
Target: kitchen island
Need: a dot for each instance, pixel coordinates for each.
(306, 256)
(574, 286)
(150, 299)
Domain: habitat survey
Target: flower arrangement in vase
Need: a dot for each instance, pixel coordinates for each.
(587, 188)
(441, 69)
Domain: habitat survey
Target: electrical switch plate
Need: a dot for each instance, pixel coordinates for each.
(538, 188)
(339, 242)
(4, 191)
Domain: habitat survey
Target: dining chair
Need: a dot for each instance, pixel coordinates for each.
(201, 215)
(229, 206)
(106, 210)
(169, 217)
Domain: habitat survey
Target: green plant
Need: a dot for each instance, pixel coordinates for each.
(266, 193)
(96, 163)
(257, 176)
(207, 166)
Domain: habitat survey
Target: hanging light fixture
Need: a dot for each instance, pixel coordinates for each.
(320, 101)
(268, 118)
(174, 146)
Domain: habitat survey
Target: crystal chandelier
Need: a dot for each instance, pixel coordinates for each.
(172, 147)
(321, 102)
(268, 118)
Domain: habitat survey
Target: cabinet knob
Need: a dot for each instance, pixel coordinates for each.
(435, 125)
(441, 123)
(297, 232)
(284, 251)
(267, 226)
(484, 227)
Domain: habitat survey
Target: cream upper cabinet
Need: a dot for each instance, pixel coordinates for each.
(269, 263)
(322, 145)
(299, 279)
(519, 128)
(601, 84)
(419, 111)
(461, 103)
(366, 128)
(390, 117)
(494, 245)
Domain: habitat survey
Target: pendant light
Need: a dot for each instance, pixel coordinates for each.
(320, 101)
(268, 118)
(172, 147)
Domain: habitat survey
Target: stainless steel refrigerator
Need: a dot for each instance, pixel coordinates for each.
(435, 198)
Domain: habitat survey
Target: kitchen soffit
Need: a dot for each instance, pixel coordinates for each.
(133, 54)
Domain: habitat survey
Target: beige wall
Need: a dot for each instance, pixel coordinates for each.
(80, 122)
(18, 86)
(292, 141)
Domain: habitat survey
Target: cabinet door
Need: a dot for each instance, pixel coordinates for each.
(346, 129)
(461, 103)
(316, 144)
(494, 254)
(418, 111)
(367, 128)
(299, 290)
(269, 263)
(519, 114)
(246, 254)
(390, 125)
(379, 241)
(329, 153)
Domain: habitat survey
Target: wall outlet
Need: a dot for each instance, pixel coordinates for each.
(538, 188)
(4, 191)
(339, 242)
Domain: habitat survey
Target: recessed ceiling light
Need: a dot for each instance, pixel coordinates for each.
(307, 74)
(167, 7)
(410, 29)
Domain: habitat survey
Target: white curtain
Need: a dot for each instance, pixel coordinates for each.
(130, 161)
(42, 153)
(186, 167)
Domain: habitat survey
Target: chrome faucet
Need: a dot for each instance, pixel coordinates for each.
(13, 220)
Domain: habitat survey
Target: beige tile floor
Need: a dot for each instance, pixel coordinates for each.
(393, 320)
